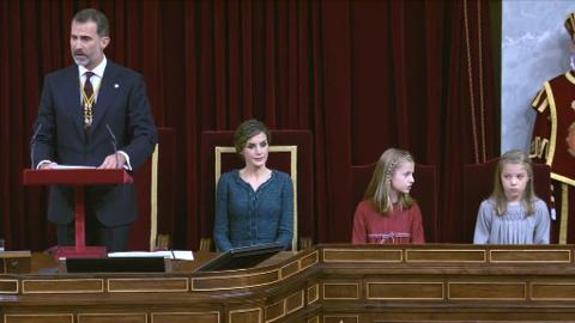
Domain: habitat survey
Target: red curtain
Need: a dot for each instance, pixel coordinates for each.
(360, 75)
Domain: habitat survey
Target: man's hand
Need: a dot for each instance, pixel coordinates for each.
(113, 161)
(47, 165)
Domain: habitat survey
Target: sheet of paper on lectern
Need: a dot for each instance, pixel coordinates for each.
(169, 254)
(72, 167)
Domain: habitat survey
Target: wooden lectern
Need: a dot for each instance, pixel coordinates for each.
(79, 179)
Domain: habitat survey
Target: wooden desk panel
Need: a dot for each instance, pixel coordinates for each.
(15, 262)
(184, 317)
(328, 283)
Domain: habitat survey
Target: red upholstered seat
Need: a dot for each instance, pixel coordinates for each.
(478, 185)
(228, 160)
(424, 191)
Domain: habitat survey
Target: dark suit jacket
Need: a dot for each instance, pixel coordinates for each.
(123, 105)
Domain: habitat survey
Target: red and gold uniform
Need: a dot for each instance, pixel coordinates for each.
(554, 139)
(554, 143)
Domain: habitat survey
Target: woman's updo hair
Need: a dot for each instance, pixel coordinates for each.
(247, 130)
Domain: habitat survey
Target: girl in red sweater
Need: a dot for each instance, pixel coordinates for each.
(388, 214)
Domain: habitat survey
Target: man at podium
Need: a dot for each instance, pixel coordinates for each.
(93, 113)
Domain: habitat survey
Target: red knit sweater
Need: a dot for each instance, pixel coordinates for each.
(398, 227)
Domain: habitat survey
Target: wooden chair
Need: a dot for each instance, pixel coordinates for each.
(155, 195)
(478, 185)
(290, 152)
(424, 191)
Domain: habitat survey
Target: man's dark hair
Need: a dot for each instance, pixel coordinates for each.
(96, 16)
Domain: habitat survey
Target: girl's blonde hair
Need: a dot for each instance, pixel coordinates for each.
(380, 184)
(516, 157)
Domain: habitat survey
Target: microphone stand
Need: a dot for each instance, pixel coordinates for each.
(113, 144)
(33, 145)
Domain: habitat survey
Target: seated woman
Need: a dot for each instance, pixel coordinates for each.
(388, 214)
(254, 204)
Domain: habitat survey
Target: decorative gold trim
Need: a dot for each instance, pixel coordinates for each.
(553, 112)
(15, 254)
(470, 79)
(543, 105)
(314, 255)
(293, 172)
(340, 284)
(440, 284)
(481, 93)
(535, 102)
(310, 300)
(219, 150)
(538, 147)
(281, 269)
(112, 314)
(326, 317)
(154, 199)
(475, 251)
(314, 319)
(564, 214)
(327, 260)
(39, 315)
(297, 308)
(570, 77)
(562, 179)
(522, 284)
(533, 284)
(258, 309)
(152, 290)
(184, 313)
(491, 260)
(55, 281)
(220, 277)
(284, 305)
(10, 281)
(282, 314)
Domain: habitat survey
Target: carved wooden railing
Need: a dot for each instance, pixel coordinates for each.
(327, 283)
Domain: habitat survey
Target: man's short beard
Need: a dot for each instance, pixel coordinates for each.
(81, 61)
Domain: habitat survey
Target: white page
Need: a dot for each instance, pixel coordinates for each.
(170, 254)
(72, 167)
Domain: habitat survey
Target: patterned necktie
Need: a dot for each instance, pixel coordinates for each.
(88, 100)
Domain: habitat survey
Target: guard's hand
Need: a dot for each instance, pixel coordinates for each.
(113, 161)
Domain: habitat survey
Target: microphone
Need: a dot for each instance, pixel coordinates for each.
(33, 145)
(113, 140)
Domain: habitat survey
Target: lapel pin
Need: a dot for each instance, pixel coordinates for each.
(116, 85)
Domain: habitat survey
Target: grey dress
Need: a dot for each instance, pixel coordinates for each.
(512, 227)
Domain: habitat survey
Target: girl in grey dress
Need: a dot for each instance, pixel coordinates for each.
(513, 214)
